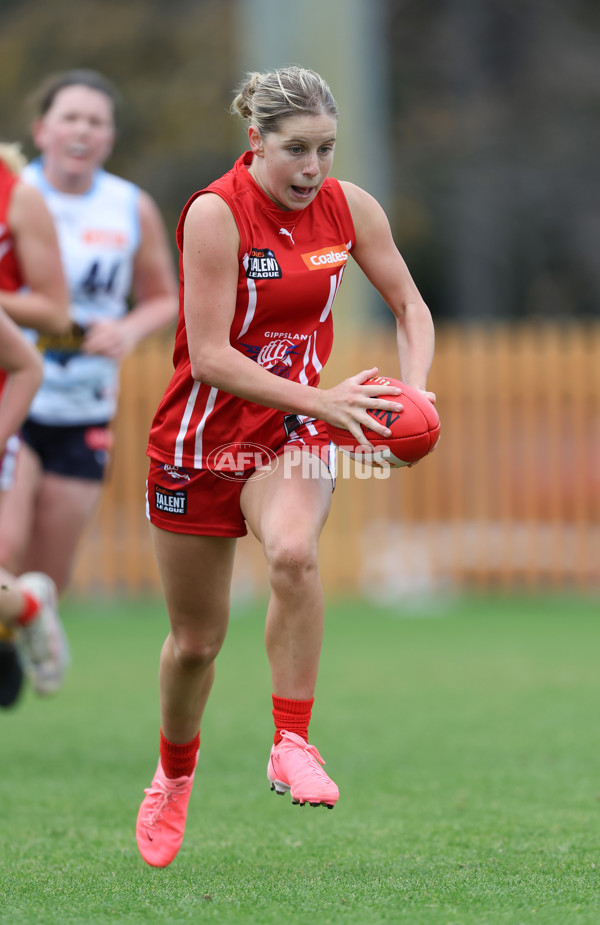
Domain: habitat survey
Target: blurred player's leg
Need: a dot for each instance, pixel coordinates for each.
(31, 634)
(41, 641)
(64, 508)
(11, 670)
(17, 510)
(16, 463)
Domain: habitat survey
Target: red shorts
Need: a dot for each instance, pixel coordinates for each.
(206, 502)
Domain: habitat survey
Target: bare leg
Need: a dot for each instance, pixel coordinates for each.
(63, 510)
(17, 511)
(286, 512)
(196, 575)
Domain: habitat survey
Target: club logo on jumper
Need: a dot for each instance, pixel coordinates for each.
(235, 461)
(170, 500)
(327, 257)
(261, 263)
(176, 472)
(275, 356)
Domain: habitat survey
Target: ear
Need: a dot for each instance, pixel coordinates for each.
(110, 145)
(37, 132)
(256, 142)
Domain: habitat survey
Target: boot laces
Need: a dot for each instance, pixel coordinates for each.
(160, 797)
(312, 757)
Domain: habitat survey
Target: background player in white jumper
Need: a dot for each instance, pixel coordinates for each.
(237, 379)
(112, 242)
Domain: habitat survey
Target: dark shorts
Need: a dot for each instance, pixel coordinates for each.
(81, 452)
(206, 502)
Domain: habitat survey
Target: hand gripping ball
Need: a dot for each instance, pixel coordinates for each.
(415, 431)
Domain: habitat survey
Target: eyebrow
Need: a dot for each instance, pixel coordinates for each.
(297, 138)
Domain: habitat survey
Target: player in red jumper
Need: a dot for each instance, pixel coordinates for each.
(31, 633)
(263, 251)
(33, 293)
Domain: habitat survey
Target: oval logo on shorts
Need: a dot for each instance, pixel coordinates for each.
(233, 460)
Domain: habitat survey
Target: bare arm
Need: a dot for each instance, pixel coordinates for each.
(45, 306)
(154, 291)
(210, 261)
(23, 364)
(378, 257)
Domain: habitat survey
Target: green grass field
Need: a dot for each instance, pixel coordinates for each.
(464, 737)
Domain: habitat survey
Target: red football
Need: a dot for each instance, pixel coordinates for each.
(415, 431)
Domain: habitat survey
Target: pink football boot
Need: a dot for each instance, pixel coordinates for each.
(295, 765)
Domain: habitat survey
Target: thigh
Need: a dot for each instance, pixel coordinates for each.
(73, 460)
(63, 509)
(196, 574)
(293, 501)
(17, 506)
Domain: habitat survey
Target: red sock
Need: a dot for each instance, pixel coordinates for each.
(291, 715)
(178, 760)
(31, 609)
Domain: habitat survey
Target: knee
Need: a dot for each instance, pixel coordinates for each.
(195, 652)
(292, 562)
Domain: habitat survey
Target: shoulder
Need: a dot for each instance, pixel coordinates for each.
(27, 203)
(147, 207)
(209, 237)
(114, 190)
(368, 215)
(32, 172)
(360, 203)
(209, 204)
(210, 215)
(112, 181)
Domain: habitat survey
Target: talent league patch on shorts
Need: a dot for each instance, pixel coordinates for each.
(170, 500)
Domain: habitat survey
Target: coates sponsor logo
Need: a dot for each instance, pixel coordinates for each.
(176, 473)
(234, 461)
(104, 237)
(326, 257)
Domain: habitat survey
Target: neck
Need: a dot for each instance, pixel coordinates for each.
(68, 183)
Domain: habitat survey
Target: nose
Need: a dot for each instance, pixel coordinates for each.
(82, 127)
(311, 165)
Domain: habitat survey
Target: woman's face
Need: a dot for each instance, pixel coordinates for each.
(291, 164)
(75, 136)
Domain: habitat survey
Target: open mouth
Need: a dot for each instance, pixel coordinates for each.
(303, 192)
(78, 153)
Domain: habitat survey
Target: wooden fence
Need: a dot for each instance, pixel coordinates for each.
(510, 498)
